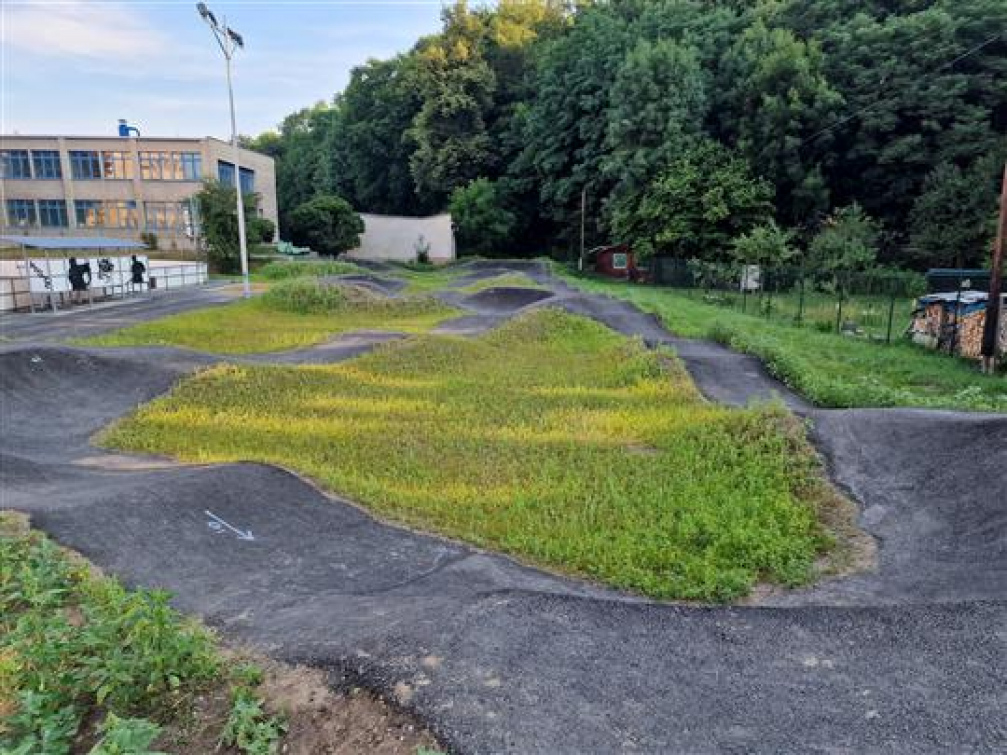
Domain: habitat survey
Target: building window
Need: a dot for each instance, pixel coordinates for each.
(14, 163)
(171, 166)
(117, 164)
(89, 212)
(52, 213)
(122, 214)
(247, 181)
(46, 163)
(225, 172)
(21, 212)
(84, 164)
(190, 217)
(164, 216)
(192, 166)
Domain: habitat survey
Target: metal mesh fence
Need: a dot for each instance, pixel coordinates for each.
(876, 305)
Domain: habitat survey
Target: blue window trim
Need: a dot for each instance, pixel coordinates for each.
(15, 164)
(50, 209)
(85, 157)
(47, 165)
(18, 209)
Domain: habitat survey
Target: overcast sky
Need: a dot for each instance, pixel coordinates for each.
(77, 66)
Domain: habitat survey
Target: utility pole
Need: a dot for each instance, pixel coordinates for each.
(992, 324)
(583, 213)
(229, 40)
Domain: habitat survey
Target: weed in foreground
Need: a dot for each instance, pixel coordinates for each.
(76, 647)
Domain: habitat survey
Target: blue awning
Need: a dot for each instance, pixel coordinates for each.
(73, 242)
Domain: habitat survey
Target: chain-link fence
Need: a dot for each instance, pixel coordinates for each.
(876, 305)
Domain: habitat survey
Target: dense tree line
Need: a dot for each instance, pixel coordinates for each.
(684, 125)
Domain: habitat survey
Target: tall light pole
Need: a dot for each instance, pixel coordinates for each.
(229, 40)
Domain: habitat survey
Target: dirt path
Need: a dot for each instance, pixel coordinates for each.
(500, 658)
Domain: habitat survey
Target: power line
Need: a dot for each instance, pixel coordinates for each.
(876, 103)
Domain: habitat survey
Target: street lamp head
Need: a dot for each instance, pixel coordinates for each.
(206, 13)
(236, 38)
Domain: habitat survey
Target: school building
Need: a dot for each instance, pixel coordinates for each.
(121, 186)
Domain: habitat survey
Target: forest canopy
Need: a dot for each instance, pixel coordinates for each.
(683, 125)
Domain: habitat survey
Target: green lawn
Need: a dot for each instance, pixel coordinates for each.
(280, 319)
(504, 280)
(551, 438)
(422, 279)
(830, 369)
(84, 659)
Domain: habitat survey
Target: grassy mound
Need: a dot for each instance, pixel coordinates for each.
(550, 438)
(504, 280)
(291, 314)
(277, 271)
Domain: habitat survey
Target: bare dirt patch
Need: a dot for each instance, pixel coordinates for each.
(321, 721)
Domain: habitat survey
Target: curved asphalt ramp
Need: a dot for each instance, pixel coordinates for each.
(504, 300)
(489, 307)
(501, 658)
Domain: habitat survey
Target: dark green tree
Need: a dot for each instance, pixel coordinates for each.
(913, 105)
(658, 105)
(218, 222)
(953, 221)
(367, 144)
(773, 96)
(485, 226)
(695, 207)
(566, 123)
(452, 144)
(327, 224)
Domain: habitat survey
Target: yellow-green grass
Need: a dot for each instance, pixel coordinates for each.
(830, 369)
(256, 326)
(422, 279)
(504, 280)
(550, 438)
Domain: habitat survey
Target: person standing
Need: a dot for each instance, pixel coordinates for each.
(137, 270)
(80, 279)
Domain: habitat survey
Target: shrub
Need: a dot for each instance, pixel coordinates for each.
(848, 240)
(327, 224)
(308, 296)
(261, 230)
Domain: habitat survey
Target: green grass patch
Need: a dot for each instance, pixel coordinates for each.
(83, 658)
(292, 314)
(830, 369)
(504, 280)
(551, 438)
(424, 279)
(280, 270)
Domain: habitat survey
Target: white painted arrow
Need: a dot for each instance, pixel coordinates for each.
(217, 523)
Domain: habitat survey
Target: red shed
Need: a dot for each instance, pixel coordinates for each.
(615, 261)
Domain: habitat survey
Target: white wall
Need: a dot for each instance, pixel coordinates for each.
(393, 237)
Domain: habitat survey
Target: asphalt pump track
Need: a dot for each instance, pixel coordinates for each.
(496, 657)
